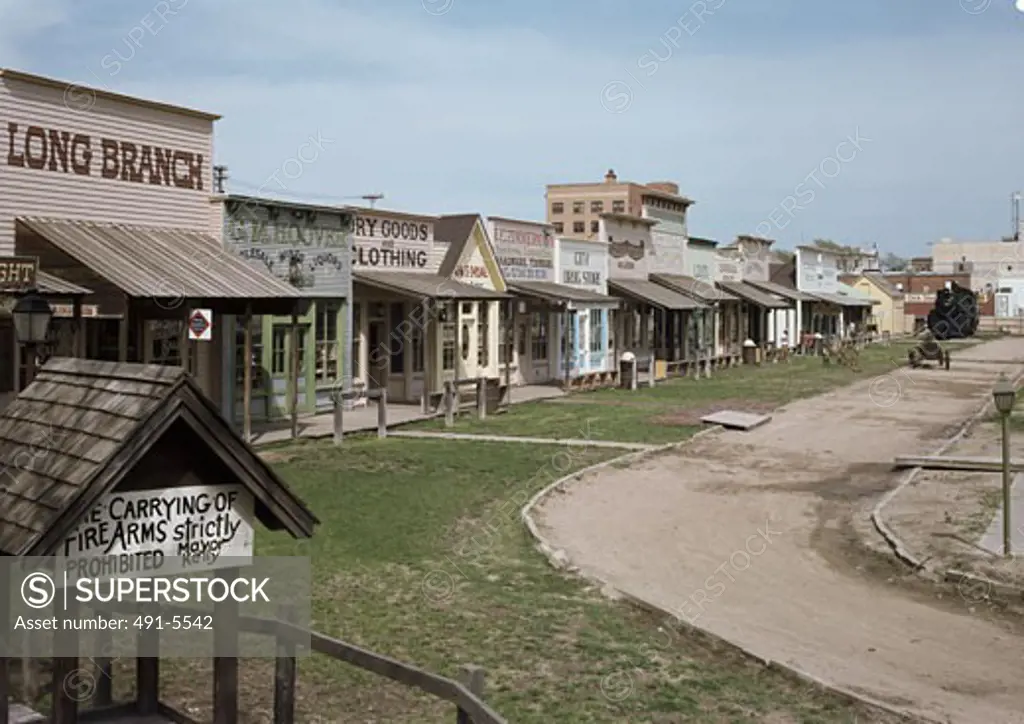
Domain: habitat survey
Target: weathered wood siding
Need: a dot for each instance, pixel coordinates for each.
(38, 185)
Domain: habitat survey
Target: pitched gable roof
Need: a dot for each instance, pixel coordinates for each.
(82, 426)
(456, 230)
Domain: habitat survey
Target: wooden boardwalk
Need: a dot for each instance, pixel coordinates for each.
(364, 419)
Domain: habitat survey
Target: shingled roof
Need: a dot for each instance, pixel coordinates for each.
(82, 426)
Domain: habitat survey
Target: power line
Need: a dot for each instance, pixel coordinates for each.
(371, 198)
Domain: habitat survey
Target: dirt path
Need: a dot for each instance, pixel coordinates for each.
(749, 536)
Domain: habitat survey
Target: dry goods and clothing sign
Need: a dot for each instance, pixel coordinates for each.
(163, 532)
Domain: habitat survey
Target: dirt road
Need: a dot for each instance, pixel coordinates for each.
(748, 535)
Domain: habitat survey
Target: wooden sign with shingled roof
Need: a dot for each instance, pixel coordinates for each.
(84, 428)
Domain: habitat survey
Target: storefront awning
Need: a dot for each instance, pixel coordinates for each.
(424, 286)
(840, 300)
(789, 293)
(48, 284)
(653, 294)
(752, 294)
(159, 264)
(694, 288)
(552, 292)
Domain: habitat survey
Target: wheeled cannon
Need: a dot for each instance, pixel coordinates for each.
(928, 350)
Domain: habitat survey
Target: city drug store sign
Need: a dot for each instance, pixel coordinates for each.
(162, 532)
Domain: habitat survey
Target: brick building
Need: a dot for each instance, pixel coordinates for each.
(919, 290)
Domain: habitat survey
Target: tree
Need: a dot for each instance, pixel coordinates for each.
(891, 262)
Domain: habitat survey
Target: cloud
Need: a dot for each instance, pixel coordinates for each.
(463, 111)
(20, 20)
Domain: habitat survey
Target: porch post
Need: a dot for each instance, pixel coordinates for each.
(246, 376)
(76, 341)
(567, 351)
(293, 378)
(122, 333)
(510, 319)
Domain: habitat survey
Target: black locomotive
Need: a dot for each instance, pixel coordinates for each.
(955, 314)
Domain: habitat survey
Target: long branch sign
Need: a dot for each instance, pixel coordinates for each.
(53, 149)
(163, 532)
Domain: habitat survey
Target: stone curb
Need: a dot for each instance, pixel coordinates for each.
(558, 560)
(900, 550)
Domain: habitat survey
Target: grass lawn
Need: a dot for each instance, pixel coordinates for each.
(421, 556)
(672, 410)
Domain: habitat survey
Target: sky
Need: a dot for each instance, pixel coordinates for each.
(869, 122)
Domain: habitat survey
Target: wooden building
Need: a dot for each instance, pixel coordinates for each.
(111, 194)
(308, 247)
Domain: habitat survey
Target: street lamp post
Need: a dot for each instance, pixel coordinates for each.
(1004, 395)
(32, 315)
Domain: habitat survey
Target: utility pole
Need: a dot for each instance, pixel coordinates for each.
(372, 198)
(220, 175)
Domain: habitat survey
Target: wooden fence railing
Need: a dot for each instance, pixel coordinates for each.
(467, 698)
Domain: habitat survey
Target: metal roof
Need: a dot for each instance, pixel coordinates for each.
(49, 284)
(159, 263)
(560, 293)
(424, 286)
(781, 290)
(839, 299)
(692, 287)
(653, 294)
(754, 295)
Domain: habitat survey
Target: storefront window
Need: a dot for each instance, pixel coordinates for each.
(523, 336)
(612, 318)
(256, 333)
(447, 319)
(482, 351)
(503, 329)
(327, 341)
(278, 348)
(301, 337)
(595, 331)
(416, 340)
(164, 341)
(357, 340)
(465, 342)
(396, 340)
(539, 336)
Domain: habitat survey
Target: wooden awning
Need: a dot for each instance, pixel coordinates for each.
(49, 285)
(155, 263)
(794, 295)
(561, 293)
(424, 286)
(694, 288)
(840, 300)
(655, 295)
(754, 295)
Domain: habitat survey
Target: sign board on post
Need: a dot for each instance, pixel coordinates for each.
(200, 324)
(162, 532)
(18, 273)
